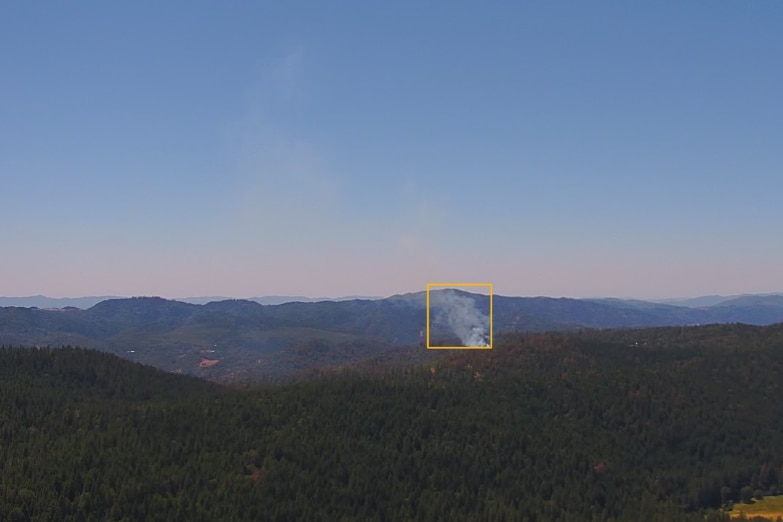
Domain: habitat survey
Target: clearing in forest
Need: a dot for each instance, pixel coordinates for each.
(768, 507)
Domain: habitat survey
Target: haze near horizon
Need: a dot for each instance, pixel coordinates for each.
(557, 148)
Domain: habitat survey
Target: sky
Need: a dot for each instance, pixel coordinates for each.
(558, 148)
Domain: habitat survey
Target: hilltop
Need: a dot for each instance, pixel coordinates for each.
(242, 340)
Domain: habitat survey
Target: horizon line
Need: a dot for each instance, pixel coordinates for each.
(378, 297)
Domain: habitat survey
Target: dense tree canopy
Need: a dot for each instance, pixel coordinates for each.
(660, 424)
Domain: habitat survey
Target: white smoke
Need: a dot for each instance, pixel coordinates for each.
(460, 314)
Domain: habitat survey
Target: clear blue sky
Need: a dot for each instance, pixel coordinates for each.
(599, 148)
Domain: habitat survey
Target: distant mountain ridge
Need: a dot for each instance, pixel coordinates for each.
(711, 300)
(244, 340)
(42, 301)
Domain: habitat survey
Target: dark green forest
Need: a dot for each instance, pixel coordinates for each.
(663, 424)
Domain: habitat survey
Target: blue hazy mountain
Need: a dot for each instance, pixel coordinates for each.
(41, 301)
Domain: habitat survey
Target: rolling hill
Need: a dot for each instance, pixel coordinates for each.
(244, 340)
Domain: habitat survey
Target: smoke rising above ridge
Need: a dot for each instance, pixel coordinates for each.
(460, 314)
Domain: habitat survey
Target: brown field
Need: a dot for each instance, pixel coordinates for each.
(770, 508)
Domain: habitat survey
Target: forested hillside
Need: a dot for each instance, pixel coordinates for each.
(237, 340)
(637, 425)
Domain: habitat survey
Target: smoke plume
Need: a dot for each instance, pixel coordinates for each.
(459, 313)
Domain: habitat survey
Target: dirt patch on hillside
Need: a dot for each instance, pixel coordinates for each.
(206, 363)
